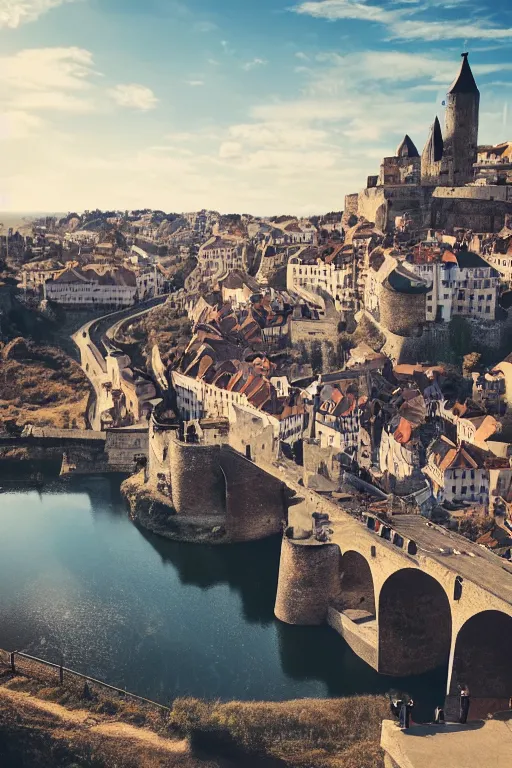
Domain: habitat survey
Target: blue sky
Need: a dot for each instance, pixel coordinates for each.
(261, 106)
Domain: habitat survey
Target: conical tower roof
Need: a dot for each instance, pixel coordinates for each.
(464, 82)
(407, 148)
(434, 148)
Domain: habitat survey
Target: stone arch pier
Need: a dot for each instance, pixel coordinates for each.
(481, 661)
(415, 623)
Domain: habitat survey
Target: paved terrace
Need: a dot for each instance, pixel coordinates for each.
(476, 745)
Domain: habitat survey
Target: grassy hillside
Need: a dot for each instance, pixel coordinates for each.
(41, 385)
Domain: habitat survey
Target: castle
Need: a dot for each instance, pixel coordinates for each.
(442, 189)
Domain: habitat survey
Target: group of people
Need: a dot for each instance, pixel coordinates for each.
(402, 706)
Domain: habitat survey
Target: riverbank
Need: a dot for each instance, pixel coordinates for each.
(154, 511)
(45, 725)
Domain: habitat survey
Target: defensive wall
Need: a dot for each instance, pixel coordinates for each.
(82, 451)
(215, 481)
(407, 596)
(427, 340)
(483, 209)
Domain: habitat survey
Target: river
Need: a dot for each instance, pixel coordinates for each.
(80, 583)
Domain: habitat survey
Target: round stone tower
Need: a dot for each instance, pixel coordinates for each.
(461, 126)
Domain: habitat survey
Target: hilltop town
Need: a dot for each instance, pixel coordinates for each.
(368, 343)
(317, 377)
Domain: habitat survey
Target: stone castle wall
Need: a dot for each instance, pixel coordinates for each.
(469, 212)
(255, 502)
(402, 313)
(197, 481)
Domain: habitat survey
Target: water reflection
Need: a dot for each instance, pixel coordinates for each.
(250, 569)
(78, 580)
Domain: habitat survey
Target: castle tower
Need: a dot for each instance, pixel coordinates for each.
(461, 126)
(432, 157)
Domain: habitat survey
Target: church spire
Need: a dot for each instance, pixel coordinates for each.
(434, 148)
(465, 81)
(407, 148)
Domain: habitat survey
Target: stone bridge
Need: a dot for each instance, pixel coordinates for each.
(84, 451)
(408, 597)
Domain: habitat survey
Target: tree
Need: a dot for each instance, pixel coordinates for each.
(316, 357)
(459, 332)
(470, 362)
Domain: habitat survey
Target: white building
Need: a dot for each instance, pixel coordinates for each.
(502, 263)
(336, 280)
(150, 282)
(198, 400)
(93, 287)
(455, 474)
(35, 275)
(82, 237)
(218, 256)
(462, 284)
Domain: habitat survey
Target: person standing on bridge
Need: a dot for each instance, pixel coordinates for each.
(464, 701)
(405, 712)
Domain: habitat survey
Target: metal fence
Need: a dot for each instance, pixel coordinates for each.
(82, 685)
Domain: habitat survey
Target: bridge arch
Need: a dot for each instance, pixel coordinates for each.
(481, 658)
(357, 588)
(415, 623)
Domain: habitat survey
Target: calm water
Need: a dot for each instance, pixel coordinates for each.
(79, 582)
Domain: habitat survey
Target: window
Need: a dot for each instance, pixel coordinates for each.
(464, 490)
(487, 310)
(454, 488)
(445, 296)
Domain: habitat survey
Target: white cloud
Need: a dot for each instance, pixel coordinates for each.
(398, 20)
(134, 96)
(48, 78)
(302, 56)
(47, 68)
(273, 134)
(230, 149)
(253, 64)
(195, 83)
(13, 13)
(15, 124)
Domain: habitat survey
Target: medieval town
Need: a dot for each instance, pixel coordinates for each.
(342, 382)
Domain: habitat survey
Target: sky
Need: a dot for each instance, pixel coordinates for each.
(249, 106)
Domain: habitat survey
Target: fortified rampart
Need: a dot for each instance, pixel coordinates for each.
(209, 485)
(197, 480)
(402, 314)
(309, 582)
(432, 340)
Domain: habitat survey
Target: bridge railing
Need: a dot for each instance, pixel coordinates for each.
(57, 674)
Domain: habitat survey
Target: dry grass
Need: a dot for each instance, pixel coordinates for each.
(41, 386)
(307, 733)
